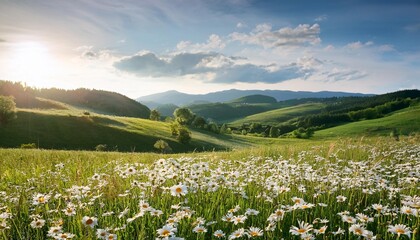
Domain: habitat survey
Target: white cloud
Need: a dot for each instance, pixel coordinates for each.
(213, 43)
(263, 35)
(358, 45)
(241, 25)
(321, 18)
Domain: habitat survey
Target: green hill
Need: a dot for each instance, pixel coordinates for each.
(257, 98)
(97, 101)
(281, 115)
(406, 121)
(72, 130)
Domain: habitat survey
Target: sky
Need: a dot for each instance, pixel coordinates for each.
(197, 46)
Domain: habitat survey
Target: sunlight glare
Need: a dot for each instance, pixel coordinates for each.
(32, 62)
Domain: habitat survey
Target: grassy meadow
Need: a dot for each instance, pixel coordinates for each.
(354, 188)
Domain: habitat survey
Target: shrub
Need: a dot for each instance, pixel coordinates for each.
(162, 146)
(28, 146)
(101, 147)
(184, 136)
(7, 109)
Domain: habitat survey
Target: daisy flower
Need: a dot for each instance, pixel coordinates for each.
(166, 231)
(90, 221)
(237, 234)
(254, 232)
(357, 229)
(219, 234)
(179, 190)
(303, 228)
(200, 229)
(399, 229)
(37, 223)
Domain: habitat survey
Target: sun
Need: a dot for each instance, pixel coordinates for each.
(32, 62)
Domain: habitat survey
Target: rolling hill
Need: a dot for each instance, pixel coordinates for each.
(97, 101)
(281, 115)
(405, 121)
(258, 98)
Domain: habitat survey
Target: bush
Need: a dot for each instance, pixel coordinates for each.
(28, 146)
(154, 115)
(101, 147)
(184, 136)
(7, 109)
(162, 146)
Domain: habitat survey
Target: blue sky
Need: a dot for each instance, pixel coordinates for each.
(197, 46)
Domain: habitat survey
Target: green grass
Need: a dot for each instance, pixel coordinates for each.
(406, 121)
(282, 114)
(365, 171)
(70, 129)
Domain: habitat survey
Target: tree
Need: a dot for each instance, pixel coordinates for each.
(274, 132)
(199, 122)
(223, 129)
(162, 146)
(183, 115)
(154, 115)
(7, 109)
(184, 136)
(213, 127)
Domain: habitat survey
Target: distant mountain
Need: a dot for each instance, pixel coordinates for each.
(178, 98)
(254, 99)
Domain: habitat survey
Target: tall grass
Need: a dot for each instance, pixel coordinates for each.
(319, 184)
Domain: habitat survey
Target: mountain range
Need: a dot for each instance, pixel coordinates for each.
(180, 99)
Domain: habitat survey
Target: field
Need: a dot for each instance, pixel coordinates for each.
(360, 188)
(282, 114)
(406, 121)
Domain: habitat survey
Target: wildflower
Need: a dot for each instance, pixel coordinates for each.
(303, 228)
(144, 206)
(297, 200)
(37, 223)
(357, 229)
(235, 209)
(64, 236)
(338, 232)
(40, 199)
(348, 219)
(199, 229)
(239, 219)
(250, 211)
(237, 234)
(111, 237)
(409, 211)
(155, 212)
(254, 232)
(399, 229)
(69, 211)
(321, 230)
(219, 234)
(341, 198)
(3, 225)
(101, 233)
(166, 231)
(377, 207)
(363, 218)
(89, 221)
(179, 190)
(228, 217)
(53, 231)
(307, 236)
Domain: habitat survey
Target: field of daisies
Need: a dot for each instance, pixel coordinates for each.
(348, 189)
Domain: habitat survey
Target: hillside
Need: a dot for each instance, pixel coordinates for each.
(281, 115)
(71, 130)
(97, 101)
(179, 98)
(254, 99)
(405, 121)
